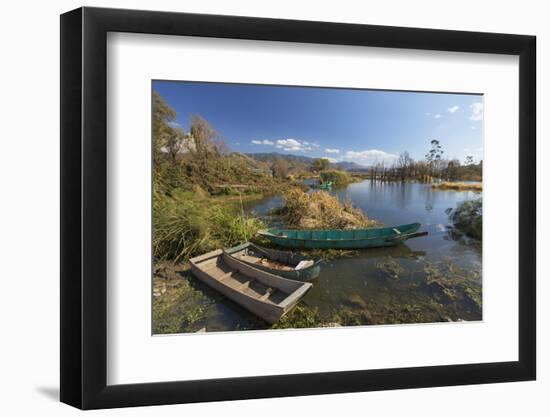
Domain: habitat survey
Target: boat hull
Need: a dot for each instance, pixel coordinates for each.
(341, 244)
(345, 239)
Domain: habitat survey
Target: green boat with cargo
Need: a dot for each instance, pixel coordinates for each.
(373, 237)
(286, 264)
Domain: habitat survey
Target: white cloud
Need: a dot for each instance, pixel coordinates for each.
(331, 160)
(294, 145)
(330, 150)
(453, 109)
(437, 116)
(262, 142)
(371, 157)
(288, 145)
(289, 142)
(477, 111)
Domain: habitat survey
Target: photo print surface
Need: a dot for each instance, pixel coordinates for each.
(286, 207)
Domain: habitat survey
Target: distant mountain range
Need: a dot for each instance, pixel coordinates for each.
(350, 166)
(302, 160)
(273, 156)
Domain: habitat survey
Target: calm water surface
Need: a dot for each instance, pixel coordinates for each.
(396, 284)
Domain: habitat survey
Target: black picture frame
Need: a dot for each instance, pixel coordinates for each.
(84, 207)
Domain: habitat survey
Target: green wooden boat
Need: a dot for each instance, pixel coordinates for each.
(323, 186)
(282, 263)
(343, 239)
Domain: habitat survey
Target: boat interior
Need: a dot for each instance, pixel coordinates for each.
(253, 287)
(256, 257)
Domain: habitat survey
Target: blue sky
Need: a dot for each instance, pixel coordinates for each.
(363, 126)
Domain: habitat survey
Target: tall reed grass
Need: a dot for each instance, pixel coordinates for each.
(185, 225)
(458, 186)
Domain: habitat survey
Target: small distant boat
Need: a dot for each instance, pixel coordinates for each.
(343, 239)
(266, 295)
(323, 185)
(283, 263)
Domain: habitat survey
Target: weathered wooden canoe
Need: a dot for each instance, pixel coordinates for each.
(282, 263)
(343, 239)
(266, 295)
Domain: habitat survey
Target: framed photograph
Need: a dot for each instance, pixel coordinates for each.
(257, 208)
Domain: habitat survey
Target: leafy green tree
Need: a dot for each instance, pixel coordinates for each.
(434, 156)
(435, 153)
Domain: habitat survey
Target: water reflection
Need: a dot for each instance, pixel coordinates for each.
(432, 278)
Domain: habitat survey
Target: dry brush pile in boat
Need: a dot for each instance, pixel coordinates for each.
(321, 210)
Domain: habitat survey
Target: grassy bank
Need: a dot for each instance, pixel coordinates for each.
(177, 305)
(458, 186)
(187, 224)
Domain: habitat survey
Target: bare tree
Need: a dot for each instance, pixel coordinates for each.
(280, 168)
(204, 137)
(404, 164)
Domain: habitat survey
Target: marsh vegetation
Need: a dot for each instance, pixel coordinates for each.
(320, 210)
(458, 186)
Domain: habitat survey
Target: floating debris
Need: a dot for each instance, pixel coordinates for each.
(352, 317)
(390, 267)
(356, 300)
(454, 283)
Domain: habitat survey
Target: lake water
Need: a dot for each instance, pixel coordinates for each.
(428, 279)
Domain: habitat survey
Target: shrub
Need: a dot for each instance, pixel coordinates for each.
(338, 178)
(468, 218)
